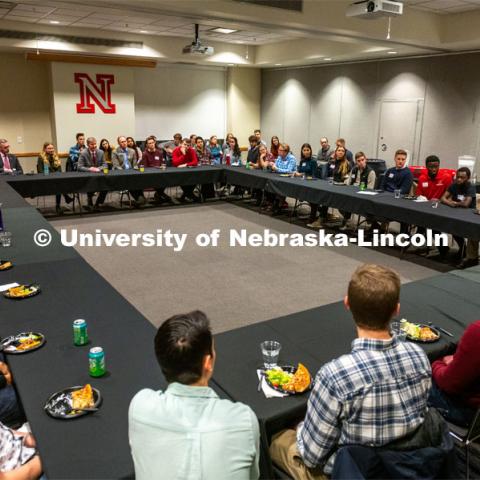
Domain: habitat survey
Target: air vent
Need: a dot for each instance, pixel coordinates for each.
(107, 42)
(295, 5)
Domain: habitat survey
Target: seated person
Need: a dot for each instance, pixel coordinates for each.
(107, 152)
(11, 413)
(187, 431)
(125, 158)
(170, 146)
(375, 395)
(462, 194)
(361, 175)
(232, 153)
(433, 184)
(215, 150)
(265, 158)
(325, 153)
(49, 159)
(258, 133)
(307, 165)
(226, 144)
(9, 163)
(398, 177)
(152, 157)
(91, 160)
(456, 379)
(131, 143)
(184, 156)
(74, 153)
(285, 163)
(274, 144)
(340, 142)
(204, 157)
(19, 459)
(339, 170)
(252, 155)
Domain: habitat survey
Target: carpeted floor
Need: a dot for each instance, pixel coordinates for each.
(234, 286)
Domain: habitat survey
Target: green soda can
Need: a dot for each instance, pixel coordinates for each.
(363, 186)
(96, 362)
(80, 335)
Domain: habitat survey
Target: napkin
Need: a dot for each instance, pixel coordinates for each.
(268, 391)
(4, 288)
(421, 198)
(367, 192)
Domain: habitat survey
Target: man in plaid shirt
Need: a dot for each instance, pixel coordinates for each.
(372, 396)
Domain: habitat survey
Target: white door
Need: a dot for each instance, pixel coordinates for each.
(399, 128)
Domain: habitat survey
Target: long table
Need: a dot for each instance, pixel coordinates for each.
(315, 336)
(96, 446)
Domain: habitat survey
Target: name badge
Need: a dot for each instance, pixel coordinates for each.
(353, 175)
(391, 175)
(425, 184)
(332, 166)
(157, 158)
(461, 198)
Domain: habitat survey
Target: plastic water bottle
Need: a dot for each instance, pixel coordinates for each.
(46, 169)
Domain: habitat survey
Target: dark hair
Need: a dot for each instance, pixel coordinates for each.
(257, 130)
(181, 344)
(151, 137)
(236, 148)
(301, 151)
(109, 149)
(135, 149)
(178, 135)
(79, 135)
(465, 170)
(401, 151)
(359, 154)
(373, 295)
(252, 138)
(432, 159)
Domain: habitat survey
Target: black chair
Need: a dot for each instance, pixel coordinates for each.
(465, 437)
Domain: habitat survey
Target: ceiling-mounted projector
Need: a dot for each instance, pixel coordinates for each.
(196, 47)
(371, 9)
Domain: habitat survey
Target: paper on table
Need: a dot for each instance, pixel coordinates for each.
(367, 192)
(268, 391)
(421, 198)
(4, 288)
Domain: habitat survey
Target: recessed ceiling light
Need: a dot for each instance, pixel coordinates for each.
(278, 64)
(391, 52)
(327, 59)
(144, 31)
(223, 30)
(54, 22)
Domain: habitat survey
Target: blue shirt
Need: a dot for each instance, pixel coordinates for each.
(217, 154)
(397, 179)
(73, 155)
(189, 433)
(372, 396)
(287, 164)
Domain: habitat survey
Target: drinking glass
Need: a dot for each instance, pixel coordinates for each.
(270, 352)
(396, 329)
(435, 202)
(6, 239)
(397, 193)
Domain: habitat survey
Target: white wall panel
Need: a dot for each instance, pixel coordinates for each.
(181, 99)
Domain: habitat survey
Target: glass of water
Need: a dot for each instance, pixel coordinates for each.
(270, 352)
(397, 193)
(5, 239)
(435, 202)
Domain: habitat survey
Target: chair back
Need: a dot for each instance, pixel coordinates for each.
(473, 433)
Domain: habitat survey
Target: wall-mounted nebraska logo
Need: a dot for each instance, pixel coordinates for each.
(99, 92)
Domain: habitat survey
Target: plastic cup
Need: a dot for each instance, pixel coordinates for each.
(142, 168)
(435, 202)
(6, 239)
(397, 193)
(270, 353)
(105, 170)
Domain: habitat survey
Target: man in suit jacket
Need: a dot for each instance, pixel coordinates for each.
(124, 158)
(9, 163)
(91, 160)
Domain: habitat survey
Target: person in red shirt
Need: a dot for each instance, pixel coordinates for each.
(456, 379)
(185, 156)
(433, 184)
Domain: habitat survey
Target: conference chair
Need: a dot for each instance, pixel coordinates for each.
(466, 437)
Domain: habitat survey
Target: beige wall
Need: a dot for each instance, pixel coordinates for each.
(66, 95)
(25, 110)
(243, 102)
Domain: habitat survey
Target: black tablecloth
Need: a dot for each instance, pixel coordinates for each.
(67, 182)
(316, 336)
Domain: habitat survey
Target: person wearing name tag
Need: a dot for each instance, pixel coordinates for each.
(9, 163)
(361, 176)
(462, 194)
(152, 157)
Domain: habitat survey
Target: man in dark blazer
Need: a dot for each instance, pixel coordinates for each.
(91, 160)
(9, 163)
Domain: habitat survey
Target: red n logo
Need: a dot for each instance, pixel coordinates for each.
(99, 92)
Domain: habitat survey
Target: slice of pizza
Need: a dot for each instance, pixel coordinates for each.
(83, 398)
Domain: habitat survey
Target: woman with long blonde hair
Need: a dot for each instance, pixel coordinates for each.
(48, 160)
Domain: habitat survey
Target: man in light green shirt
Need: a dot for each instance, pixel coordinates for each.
(187, 432)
